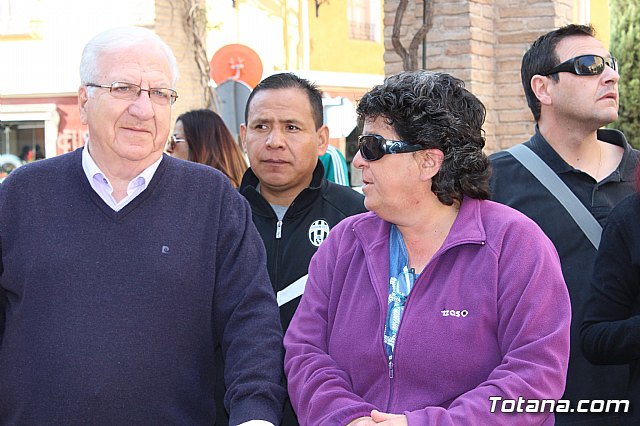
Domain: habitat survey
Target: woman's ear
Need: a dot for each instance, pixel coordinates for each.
(430, 162)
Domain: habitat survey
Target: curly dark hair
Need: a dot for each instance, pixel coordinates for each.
(434, 110)
(542, 56)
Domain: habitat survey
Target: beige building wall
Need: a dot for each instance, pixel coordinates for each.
(482, 43)
(171, 26)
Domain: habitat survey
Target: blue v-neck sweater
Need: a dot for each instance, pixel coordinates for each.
(112, 317)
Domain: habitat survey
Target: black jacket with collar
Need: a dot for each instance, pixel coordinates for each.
(292, 242)
(306, 223)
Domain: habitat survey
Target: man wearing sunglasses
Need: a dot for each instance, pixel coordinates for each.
(571, 84)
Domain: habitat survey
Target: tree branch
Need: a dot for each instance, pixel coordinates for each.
(395, 35)
(410, 56)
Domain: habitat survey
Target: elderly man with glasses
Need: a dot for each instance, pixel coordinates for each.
(122, 269)
(568, 177)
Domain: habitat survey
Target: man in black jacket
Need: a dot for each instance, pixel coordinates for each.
(293, 206)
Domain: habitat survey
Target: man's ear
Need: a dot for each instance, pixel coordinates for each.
(243, 134)
(83, 97)
(323, 139)
(541, 86)
(430, 162)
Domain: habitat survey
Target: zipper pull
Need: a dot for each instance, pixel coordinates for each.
(390, 369)
(279, 230)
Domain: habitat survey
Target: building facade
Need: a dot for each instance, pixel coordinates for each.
(44, 38)
(482, 43)
(343, 46)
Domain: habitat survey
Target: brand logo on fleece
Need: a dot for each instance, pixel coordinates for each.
(453, 313)
(318, 231)
(165, 249)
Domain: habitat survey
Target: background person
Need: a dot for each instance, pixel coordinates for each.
(571, 85)
(610, 331)
(293, 206)
(140, 272)
(437, 299)
(335, 166)
(201, 136)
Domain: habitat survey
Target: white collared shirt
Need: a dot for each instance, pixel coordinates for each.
(100, 183)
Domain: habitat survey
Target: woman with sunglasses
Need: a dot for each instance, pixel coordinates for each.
(438, 306)
(202, 137)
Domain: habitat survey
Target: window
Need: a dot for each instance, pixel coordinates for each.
(24, 139)
(20, 142)
(364, 19)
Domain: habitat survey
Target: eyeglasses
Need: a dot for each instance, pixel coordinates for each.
(374, 147)
(130, 92)
(584, 65)
(173, 140)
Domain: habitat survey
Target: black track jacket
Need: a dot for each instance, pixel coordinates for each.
(292, 242)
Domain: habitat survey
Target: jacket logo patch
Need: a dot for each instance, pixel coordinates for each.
(454, 313)
(318, 231)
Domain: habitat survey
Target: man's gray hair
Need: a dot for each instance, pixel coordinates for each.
(116, 39)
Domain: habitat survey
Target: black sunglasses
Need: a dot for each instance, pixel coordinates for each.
(374, 147)
(584, 65)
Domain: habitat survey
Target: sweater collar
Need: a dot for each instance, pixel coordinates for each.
(151, 185)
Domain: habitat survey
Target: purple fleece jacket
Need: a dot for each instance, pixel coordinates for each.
(488, 316)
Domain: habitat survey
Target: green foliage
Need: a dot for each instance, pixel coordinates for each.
(625, 46)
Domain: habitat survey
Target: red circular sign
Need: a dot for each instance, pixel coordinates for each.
(238, 62)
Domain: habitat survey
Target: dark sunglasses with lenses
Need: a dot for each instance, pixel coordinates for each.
(374, 147)
(584, 65)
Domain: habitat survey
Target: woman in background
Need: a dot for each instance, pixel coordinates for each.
(201, 136)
